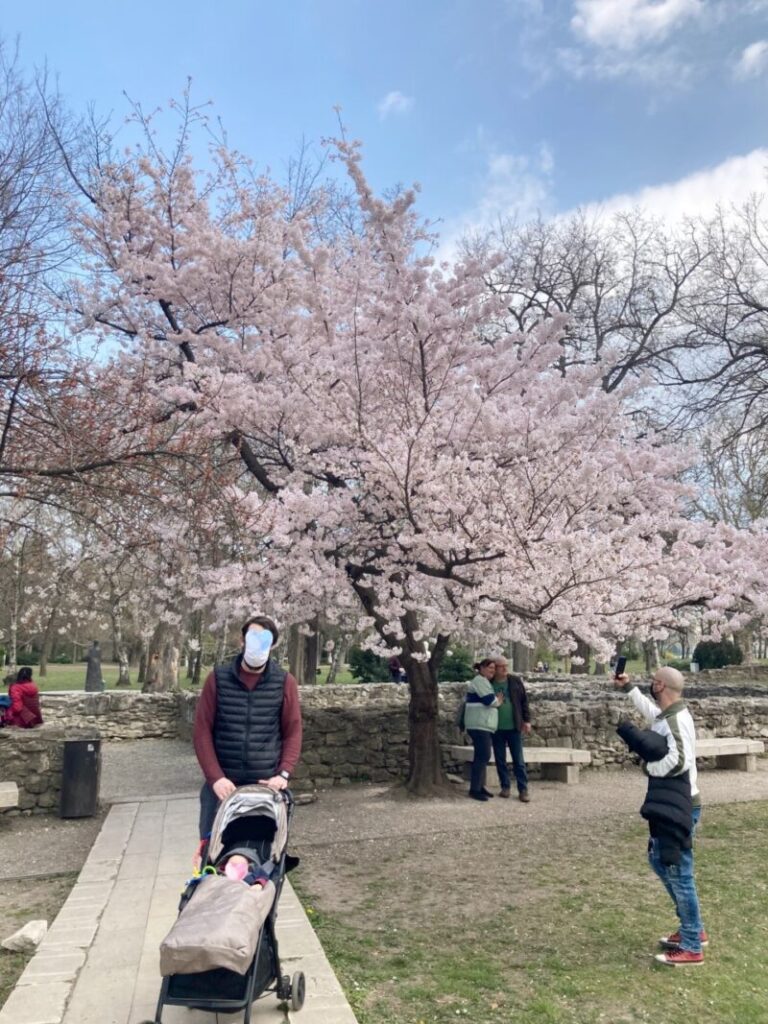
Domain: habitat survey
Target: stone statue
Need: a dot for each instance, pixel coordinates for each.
(94, 682)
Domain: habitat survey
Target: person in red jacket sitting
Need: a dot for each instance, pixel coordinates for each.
(24, 710)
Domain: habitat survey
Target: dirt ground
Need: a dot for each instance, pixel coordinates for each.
(401, 855)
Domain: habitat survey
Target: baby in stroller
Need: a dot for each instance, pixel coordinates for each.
(241, 869)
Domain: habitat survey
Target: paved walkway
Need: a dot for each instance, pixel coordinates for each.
(98, 964)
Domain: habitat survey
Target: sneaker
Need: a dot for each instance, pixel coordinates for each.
(524, 796)
(504, 793)
(680, 958)
(488, 793)
(673, 941)
(477, 795)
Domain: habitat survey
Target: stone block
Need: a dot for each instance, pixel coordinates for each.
(26, 939)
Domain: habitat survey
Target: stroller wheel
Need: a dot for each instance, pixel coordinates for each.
(298, 990)
(284, 987)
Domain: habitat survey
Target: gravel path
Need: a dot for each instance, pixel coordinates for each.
(141, 769)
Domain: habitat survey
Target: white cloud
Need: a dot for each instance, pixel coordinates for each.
(515, 187)
(518, 188)
(626, 24)
(394, 103)
(753, 61)
(664, 68)
(699, 194)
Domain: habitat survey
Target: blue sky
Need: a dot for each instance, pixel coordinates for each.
(494, 106)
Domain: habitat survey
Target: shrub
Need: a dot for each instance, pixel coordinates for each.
(30, 658)
(367, 666)
(681, 664)
(456, 667)
(717, 653)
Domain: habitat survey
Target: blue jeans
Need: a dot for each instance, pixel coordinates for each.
(513, 739)
(679, 882)
(209, 804)
(481, 741)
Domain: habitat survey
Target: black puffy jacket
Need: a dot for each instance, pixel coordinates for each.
(247, 731)
(667, 808)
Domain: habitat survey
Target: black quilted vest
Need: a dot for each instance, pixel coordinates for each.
(247, 731)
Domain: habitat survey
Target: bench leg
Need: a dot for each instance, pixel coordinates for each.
(568, 773)
(738, 762)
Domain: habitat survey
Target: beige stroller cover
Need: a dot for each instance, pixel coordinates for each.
(219, 927)
(220, 924)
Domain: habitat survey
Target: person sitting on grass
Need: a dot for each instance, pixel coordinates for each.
(24, 709)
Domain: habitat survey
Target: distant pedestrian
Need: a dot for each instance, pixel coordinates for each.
(396, 671)
(24, 708)
(514, 723)
(480, 721)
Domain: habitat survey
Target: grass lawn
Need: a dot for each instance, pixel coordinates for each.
(20, 902)
(556, 927)
(72, 677)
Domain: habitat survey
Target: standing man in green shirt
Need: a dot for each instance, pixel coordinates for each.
(514, 722)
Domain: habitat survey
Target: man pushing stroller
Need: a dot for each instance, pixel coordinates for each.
(248, 722)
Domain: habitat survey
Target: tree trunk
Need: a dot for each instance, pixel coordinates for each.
(169, 667)
(118, 646)
(425, 768)
(582, 651)
(521, 658)
(153, 672)
(743, 640)
(143, 658)
(651, 657)
(311, 654)
(193, 652)
(297, 651)
(221, 647)
(338, 658)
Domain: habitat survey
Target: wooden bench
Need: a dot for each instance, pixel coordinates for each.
(9, 794)
(730, 751)
(558, 764)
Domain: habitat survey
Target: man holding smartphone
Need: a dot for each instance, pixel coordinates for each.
(668, 716)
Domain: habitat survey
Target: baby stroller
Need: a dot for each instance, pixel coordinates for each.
(221, 953)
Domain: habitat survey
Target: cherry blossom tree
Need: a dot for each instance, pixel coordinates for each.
(376, 444)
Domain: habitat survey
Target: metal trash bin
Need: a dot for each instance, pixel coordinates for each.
(80, 776)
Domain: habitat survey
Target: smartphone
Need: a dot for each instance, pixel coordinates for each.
(621, 664)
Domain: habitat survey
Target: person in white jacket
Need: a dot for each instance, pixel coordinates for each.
(668, 715)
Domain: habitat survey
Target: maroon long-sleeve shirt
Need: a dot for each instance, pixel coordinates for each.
(290, 724)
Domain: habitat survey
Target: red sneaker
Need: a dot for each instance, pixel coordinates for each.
(680, 958)
(673, 941)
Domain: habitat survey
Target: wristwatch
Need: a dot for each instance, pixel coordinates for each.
(284, 774)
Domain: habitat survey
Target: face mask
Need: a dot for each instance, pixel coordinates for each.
(258, 643)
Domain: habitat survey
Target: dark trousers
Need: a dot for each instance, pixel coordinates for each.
(209, 804)
(481, 741)
(513, 739)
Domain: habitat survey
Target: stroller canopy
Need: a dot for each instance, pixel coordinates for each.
(253, 808)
